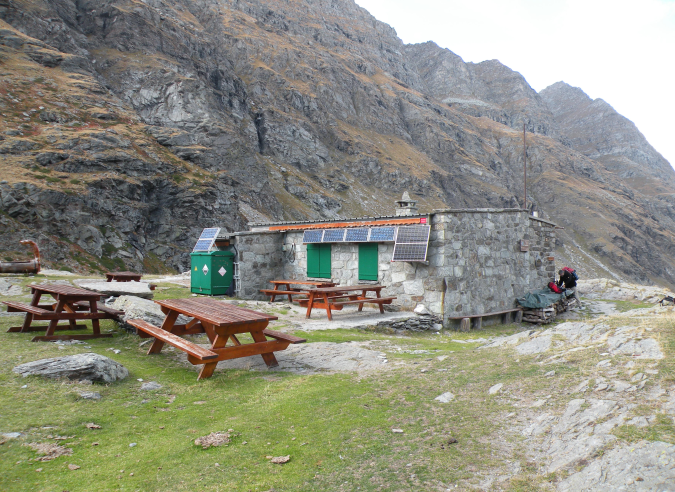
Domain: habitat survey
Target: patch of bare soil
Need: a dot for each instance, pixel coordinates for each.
(49, 450)
(214, 439)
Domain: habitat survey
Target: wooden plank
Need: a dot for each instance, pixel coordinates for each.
(283, 336)
(194, 350)
(366, 300)
(65, 290)
(70, 316)
(20, 307)
(516, 310)
(17, 329)
(246, 350)
(51, 338)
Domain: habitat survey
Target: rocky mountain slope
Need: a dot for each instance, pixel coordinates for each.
(130, 125)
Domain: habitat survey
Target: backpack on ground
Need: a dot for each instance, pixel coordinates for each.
(571, 272)
(554, 287)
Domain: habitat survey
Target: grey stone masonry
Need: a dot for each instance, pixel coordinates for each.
(260, 259)
(474, 263)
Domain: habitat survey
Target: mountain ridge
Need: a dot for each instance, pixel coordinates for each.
(234, 111)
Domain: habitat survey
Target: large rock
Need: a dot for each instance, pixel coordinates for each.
(93, 367)
(117, 289)
(139, 308)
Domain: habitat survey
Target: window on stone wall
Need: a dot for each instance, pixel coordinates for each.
(318, 261)
(368, 261)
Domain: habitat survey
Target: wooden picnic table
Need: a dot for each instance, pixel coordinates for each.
(291, 291)
(332, 298)
(221, 322)
(123, 276)
(72, 304)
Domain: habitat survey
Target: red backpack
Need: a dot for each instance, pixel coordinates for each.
(554, 287)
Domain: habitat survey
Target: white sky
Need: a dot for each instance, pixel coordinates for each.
(622, 51)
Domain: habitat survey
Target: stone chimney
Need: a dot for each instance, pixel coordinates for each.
(406, 206)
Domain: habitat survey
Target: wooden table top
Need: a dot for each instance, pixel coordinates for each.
(215, 312)
(347, 288)
(66, 290)
(303, 282)
(123, 274)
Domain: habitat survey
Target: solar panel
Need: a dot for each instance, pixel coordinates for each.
(333, 236)
(206, 240)
(413, 234)
(412, 243)
(210, 233)
(410, 252)
(312, 236)
(357, 235)
(203, 245)
(382, 234)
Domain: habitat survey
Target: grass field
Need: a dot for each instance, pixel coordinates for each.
(336, 428)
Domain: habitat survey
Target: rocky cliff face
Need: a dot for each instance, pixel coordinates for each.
(130, 125)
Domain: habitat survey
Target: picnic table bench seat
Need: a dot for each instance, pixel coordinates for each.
(20, 307)
(190, 348)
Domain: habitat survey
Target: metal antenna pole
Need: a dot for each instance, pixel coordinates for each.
(525, 169)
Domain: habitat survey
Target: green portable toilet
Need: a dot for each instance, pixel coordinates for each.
(211, 273)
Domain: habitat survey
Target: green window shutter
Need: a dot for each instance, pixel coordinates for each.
(318, 261)
(324, 262)
(368, 261)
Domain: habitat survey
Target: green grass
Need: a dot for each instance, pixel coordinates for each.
(341, 422)
(337, 428)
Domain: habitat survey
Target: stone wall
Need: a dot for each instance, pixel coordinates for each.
(260, 260)
(475, 263)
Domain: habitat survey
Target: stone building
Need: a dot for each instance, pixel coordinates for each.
(474, 261)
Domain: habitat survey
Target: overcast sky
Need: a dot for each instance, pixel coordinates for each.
(622, 51)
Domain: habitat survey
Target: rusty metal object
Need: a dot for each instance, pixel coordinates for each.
(30, 266)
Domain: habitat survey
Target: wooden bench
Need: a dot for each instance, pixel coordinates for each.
(199, 353)
(365, 300)
(465, 323)
(283, 336)
(20, 307)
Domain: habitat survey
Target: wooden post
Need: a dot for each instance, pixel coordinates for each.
(465, 325)
(519, 317)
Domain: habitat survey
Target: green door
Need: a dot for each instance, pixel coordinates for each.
(318, 261)
(368, 261)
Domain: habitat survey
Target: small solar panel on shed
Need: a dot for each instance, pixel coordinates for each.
(333, 236)
(206, 240)
(382, 234)
(203, 245)
(210, 233)
(357, 235)
(312, 236)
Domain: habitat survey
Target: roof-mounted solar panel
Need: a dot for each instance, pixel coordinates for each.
(412, 243)
(313, 236)
(357, 235)
(206, 240)
(382, 234)
(333, 236)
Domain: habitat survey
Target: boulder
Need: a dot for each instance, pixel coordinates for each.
(93, 367)
(117, 289)
(139, 308)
